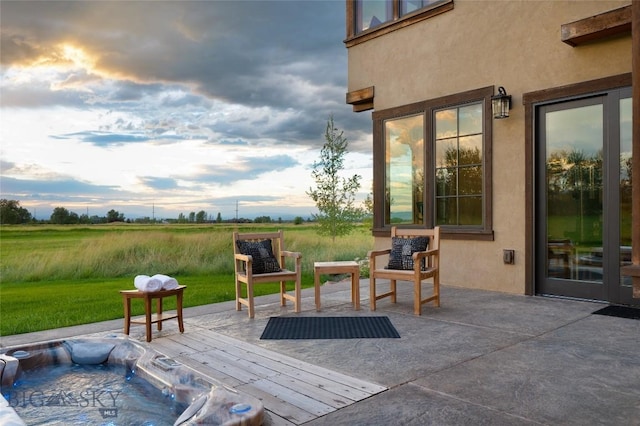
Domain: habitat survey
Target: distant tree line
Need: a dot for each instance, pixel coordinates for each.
(11, 213)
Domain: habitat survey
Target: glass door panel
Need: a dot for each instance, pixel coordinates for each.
(574, 141)
(571, 207)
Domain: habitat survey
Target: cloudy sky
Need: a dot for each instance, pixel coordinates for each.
(155, 108)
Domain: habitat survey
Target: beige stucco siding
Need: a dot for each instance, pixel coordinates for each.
(515, 44)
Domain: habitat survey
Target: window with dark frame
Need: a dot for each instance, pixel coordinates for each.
(370, 18)
(432, 165)
(458, 165)
(410, 6)
(372, 13)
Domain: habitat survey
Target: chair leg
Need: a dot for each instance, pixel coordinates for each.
(393, 291)
(238, 295)
(283, 290)
(297, 303)
(250, 300)
(372, 293)
(436, 288)
(417, 296)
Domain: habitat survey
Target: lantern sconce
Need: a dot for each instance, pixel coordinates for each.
(501, 104)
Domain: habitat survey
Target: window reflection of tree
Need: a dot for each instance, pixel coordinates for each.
(574, 189)
(459, 174)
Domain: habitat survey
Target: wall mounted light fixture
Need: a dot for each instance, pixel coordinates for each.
(501, 104)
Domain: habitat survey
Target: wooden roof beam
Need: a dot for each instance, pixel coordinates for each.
(362, 100)
(612, 23)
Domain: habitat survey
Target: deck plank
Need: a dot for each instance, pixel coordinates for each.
(302, 379)
(278, 406)
(292, 391)
(293, 363)
(205, 369)
(294, 398)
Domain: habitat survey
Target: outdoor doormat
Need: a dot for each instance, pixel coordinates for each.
(620, 311)
(279, 328)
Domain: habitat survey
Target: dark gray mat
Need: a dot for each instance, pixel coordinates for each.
(329, 328)
(620, 312)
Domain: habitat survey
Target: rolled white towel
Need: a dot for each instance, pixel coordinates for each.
(147, 283)
(168, 283)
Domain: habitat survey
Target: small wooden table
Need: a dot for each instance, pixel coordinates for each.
(339, 267)
(127, 295)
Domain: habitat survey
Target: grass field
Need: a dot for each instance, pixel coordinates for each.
(58, 276)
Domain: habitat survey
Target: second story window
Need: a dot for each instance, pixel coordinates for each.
(366, 18)
(409, 6)
(372, 13)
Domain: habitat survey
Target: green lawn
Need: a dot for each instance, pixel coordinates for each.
(58, 276)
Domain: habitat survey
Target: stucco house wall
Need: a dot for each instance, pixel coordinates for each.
(515, 44)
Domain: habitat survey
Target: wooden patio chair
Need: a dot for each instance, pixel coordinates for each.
(414, 256)
(260, 258)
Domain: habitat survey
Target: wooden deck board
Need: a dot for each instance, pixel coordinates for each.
(292, 397)
(279, 407)
(289, 362)
(327, 397)
(312, 382)
(292, 391)
(206, 370)
(226, 367)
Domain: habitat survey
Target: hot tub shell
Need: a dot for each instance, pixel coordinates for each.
(208, 401)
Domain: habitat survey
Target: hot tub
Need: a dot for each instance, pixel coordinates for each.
(113, 380)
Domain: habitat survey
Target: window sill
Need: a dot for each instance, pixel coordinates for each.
(446, 234)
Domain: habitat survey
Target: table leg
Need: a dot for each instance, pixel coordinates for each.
(159, 312)
(316, 282)
(355, 289)
(179, 309)
(126, 301)
(147, 313)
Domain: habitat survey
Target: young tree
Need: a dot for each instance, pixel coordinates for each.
(334, 195)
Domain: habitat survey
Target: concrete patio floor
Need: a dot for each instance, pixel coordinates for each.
(481, 358)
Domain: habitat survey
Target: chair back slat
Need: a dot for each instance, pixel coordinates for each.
(433, 234)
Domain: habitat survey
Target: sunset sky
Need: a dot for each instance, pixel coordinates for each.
(155, 108)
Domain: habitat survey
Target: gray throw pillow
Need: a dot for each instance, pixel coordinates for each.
(264, 260)
(403, 248)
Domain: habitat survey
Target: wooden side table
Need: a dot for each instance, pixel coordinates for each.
(127, 295)
(339, 267)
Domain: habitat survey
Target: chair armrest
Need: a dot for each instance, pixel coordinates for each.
(423, 254)
(243, 262)
(376, 253)
(372, 257)
(419, 255)
(243, 257)
(293, 254)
